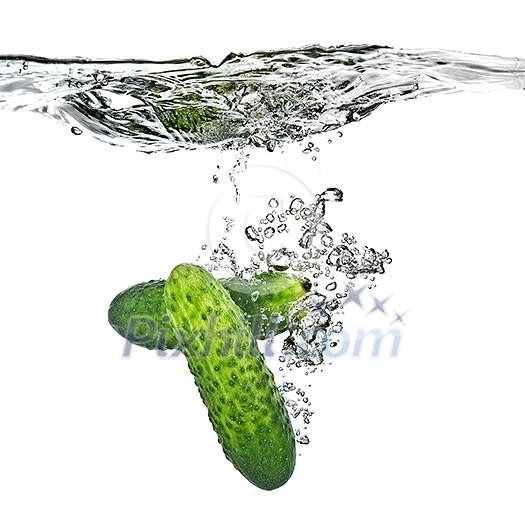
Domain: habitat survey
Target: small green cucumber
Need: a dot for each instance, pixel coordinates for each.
(244, 405)
(267, 299)
(139, 313)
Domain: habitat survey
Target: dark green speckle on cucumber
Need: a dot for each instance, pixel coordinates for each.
(244, 404)
(139, 314)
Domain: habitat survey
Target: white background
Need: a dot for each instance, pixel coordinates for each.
(434, 436)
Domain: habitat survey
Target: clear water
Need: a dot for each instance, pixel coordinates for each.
(259, 99)
(262, 99)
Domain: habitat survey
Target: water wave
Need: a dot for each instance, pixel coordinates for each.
(258, 99)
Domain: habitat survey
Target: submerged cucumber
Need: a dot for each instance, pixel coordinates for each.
(186, 119)
(139, 313)
(244, 405)
(267, 299)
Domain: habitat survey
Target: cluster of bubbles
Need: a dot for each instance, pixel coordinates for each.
(295, 237)
(329, 264)
(299, 408)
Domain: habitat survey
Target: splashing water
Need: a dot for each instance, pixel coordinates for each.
(322, 260)
(307, 246)
(259, 99)
(312, 252)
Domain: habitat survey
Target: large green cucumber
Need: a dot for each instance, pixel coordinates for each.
(244, 405)
(139, 313)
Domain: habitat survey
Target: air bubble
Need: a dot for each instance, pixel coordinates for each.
(332, 194)
(253, 234)
(296, 205)
(269, 232)
(327, 241)
(270, 145)
(337, 327)
(280, 259)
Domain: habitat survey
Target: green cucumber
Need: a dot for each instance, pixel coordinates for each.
(139, 313)
(186, 119)
(267, 299)
(244, 405)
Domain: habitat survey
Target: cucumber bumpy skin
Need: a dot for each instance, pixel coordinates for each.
(244, 405)
(139, 314)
